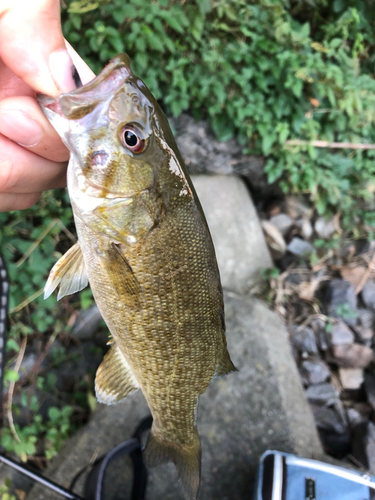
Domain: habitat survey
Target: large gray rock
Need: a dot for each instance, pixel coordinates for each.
(204, 154)
(239, 242)
(260, 407)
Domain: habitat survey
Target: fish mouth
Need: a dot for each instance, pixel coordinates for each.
(83, 100)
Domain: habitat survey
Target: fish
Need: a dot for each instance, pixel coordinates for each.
(145, 249)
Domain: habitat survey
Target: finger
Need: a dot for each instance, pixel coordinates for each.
(17, 201)
(10, 84)
(22, 121)
(22, 171)
(33, 47)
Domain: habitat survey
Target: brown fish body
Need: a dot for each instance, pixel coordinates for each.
(172, 332)
(145, 248)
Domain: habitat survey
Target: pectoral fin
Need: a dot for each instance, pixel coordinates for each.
(124, 281)
(114, 378)
(69, 272)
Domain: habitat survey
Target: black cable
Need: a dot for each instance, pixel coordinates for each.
(4, 300)
(40, 479)
(95, 482)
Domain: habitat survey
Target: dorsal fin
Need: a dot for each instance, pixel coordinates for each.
(114, 378)
(69, 272)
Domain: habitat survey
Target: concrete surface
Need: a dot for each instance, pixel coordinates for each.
(240, 245)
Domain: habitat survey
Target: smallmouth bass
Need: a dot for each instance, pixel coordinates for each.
(145, 248)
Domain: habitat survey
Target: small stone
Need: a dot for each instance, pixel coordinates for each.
(368, 294)
(370, 389)
(314, 371)
(297, 208)
(363, 408)
(319, 327)
(300, 247)
(351, 378)
(328, 419)
(366, 318)
(299, 275)
(342, 301)
(352, 273)
(322, 393)
(355, 417)
(274, 239)
(304, 339)
(365, 335)
(352, 355)
(325, 228)
(305, 227)
(340, 334)
(283, 222)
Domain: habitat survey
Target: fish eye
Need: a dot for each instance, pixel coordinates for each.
(132, 139)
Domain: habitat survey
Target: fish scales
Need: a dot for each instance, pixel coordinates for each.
(145, 249)
(167, 321)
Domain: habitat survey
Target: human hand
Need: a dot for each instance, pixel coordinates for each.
(33, 58)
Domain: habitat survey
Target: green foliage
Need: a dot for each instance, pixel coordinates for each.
(265, 71)
(27, 439)
(4, 491)
(32, 241)
(20, 233)
(344, 311)
(53, 431)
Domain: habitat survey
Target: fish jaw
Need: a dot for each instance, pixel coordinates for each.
(65, 112)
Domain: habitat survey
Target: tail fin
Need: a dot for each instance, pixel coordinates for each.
(187, 459)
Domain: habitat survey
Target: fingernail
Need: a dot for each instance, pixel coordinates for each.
(20, 128)
(63, 71)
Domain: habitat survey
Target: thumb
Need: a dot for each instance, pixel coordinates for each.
(33, 47)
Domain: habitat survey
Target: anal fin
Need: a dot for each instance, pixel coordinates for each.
(114, 378)
(69, 272)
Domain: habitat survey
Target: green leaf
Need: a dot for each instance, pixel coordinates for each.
(54, 413)
(11, 376)
(172, 21)
(82, 6)
(76, 21)
(12, 345)
(267, 142)
(127, 11)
